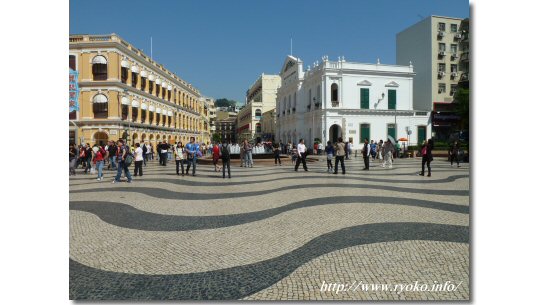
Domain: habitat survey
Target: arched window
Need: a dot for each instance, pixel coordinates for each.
(334, 93)
(124, 108)
(258, 113)
(100, 106)
(99, 68)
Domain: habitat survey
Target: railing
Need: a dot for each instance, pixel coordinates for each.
(100, 38)
(76, 39)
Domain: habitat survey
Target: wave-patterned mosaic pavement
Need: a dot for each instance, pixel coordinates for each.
(270, 233)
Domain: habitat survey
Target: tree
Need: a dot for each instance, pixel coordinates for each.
(462, 106)
(224, 102)
(217, 137)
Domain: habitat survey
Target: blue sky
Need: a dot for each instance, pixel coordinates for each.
(221, 47)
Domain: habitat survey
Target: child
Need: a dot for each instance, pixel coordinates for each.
(294, 154)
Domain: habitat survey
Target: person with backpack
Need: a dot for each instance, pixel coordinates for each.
(426, 151)
(329, 151)
(179, 155)
(138, 160)
(124, 161)
(340, 150)
(144, 153)
(276, 151)
(225, 156)
(192, 150)
(99, 159)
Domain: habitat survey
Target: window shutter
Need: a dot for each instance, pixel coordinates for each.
(392, 99)
(365, 98)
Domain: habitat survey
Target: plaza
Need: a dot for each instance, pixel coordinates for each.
(270, 233)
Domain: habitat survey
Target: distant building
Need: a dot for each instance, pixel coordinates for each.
(355, 101)
(268, 122)
(260, 98)
(436, 48)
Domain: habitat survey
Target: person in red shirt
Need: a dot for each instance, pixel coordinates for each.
(216, 155)
(99, 158)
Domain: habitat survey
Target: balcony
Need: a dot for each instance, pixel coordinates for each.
(335, 104)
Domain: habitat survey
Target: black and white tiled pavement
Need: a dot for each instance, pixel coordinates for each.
(270, 233)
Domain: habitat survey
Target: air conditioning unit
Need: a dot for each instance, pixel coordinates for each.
(454, 74)
(457, 35)
(441, 73)
(442, 53)
(455, 55)
(441, 90)
(441, 34)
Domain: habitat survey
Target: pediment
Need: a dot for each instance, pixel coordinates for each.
(392, 84)
(364, 83)
(289, 63)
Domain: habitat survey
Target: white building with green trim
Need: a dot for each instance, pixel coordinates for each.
(349, 100)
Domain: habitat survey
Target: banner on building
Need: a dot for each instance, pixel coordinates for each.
(73, 90)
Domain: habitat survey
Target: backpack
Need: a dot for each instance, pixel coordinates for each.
(424, 151)
(225, 152)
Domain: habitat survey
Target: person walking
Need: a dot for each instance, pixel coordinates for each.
(373, 149)
(454, 153)
(320, 148)
(179, 155)
(340, 149)
(242, 155)
(163, 156)
(112, 148)
(346, 149)
(192, 150)
(329, 150)
(89, 157)
(144, 152)
(225, 156)
(247, 148)
(426, 151)
(366, 154)
(294, 155)
(72, 159)
(216, 156)
(122, 153)
(315, 150)
(301, 155)
(388, 150)
(138, 159)
(99, 158)
(276, 152)
(380, 151)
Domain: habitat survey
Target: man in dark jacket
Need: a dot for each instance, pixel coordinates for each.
(427, 157)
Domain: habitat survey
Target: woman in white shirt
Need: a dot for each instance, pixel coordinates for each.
(301, 155)
(139, 159)
(179, 153)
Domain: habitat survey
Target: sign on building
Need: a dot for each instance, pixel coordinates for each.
(73, 90)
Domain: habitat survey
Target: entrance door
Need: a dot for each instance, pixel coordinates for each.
(335, 132)
(100, 138)
(421, 134)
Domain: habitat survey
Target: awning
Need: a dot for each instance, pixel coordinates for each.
(158, 81)
(144, 106)
(170, 113)
(144, 73)
(170, 87)
(99, 59)
(164, 85)
(135, 69)
(151, 108)
(158, 110)
(152, 77)
(100, 99)
(125, 64)
(135, 103)
(124, 101)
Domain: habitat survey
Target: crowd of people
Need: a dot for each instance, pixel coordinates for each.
(120, 156)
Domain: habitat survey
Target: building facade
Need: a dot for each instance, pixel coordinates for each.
(434, 46)
(125, 94)
(354, 101)
(260, 98)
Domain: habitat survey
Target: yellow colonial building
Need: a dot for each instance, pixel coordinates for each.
(125, 94)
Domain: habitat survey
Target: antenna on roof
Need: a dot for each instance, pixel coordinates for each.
(291, 46)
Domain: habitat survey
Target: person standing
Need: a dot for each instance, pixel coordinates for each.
(225, 156)
(121, 154)
(247, 148)
(139, 159)
(276, 152)
(366, 154)
(89, 157)
(192, 150)
(163, 153)
(346, 149)
(380, 151)
(315, 151)
(373, 150)
(72, 159)
(397, 149)
(340, 154)
(426, 151)
(320, 148)
(293, 154)
(179, 155)
(112, 149)
(99, 161)
(454, 153)
(329, 150)
(242, 155)
(301, 155)
(388, 150)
